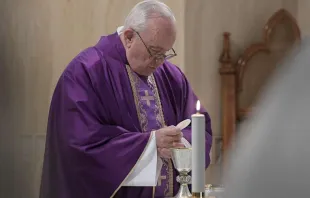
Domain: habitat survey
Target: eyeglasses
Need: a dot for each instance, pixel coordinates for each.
(158, 57)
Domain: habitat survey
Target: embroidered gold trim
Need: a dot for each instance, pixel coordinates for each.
(153, 192)
(134, 82)
(152, 84)
(160, 118)
(170, 172)
(158, 102)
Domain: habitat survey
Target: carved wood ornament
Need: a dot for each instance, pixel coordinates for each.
(233, 72)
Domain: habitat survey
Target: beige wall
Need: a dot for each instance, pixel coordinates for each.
(205, 21)
(303, 17)
(39, 37)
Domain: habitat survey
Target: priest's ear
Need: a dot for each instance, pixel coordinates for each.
(128, 36)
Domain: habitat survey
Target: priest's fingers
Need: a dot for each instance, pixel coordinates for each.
(164, 153)
(176, 138)
(167, 135)
(172, 131)
(178, 145)
(179, 136)
(169, 140)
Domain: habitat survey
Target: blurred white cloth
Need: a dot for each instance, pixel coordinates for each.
(272, 158)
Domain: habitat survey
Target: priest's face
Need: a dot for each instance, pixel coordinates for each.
(147, 50)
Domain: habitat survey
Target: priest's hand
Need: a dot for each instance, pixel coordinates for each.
(164, 153)
(166, 138)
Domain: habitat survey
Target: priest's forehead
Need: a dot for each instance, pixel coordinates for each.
(160, 34)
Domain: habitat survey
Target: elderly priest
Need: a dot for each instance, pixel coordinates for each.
(114, 113)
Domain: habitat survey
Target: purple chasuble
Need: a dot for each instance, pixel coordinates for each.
(100, 120)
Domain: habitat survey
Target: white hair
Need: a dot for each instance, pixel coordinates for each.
(145, 10)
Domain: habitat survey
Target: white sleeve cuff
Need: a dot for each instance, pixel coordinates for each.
(148, 168)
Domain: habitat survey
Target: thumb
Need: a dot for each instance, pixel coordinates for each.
(178, 145)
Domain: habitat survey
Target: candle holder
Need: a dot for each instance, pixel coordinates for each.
(182, 161)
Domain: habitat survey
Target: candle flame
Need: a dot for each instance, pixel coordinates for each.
(198, 106)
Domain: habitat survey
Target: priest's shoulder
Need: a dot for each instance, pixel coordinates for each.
(87, 61)
(173, 72)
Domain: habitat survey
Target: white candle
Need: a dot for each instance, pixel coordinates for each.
(198, 151)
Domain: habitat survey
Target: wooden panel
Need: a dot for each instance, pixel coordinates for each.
(259, 60)
(242, 81)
